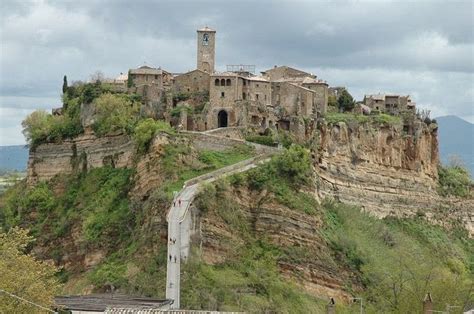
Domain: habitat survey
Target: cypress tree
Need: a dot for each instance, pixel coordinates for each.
(64, 84)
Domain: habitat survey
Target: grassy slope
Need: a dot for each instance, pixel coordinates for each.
(397, 260)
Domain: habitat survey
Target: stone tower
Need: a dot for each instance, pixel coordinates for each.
(206, 47)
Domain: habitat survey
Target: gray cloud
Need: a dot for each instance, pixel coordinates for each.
(422, 48)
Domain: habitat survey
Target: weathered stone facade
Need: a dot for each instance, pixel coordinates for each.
(392, 104)
(206, 46)
(191, 82)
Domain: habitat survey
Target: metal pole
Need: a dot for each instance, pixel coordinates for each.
(24, 300)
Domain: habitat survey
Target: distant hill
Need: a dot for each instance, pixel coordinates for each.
(13, 157)
(456, 137)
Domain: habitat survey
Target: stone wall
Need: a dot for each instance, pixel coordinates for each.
(203, 141)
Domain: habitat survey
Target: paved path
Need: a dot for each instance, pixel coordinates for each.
(179, 235)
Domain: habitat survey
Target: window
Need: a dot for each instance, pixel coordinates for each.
(216, 82)
(156, 77)
(223, 82)
(228, 83)
(222, 94)
(245, 82)
(146, 77)
(257, 85)
(265, 97)
(244, 96)
(256, 96)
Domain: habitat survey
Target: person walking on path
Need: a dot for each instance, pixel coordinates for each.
(175, 258)
(170, 257)
(179, 202)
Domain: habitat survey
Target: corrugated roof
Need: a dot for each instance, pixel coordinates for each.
(99, 302)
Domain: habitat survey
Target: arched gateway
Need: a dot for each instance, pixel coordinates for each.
(222, 119)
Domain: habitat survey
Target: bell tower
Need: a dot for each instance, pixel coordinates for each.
(206, 49)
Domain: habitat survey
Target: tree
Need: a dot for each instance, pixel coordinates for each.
(114, 114)
(64, 84)
(23, 275)
(36, 126)
(345, 101)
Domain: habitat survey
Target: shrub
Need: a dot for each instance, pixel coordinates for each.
(261, 139)
(332, 101)
(109, 273)
(294, 164)
(336, 117)
(146, 130)
(115, 113)
(386, 119)
(176, 112)
(181, 96)
(454, 180)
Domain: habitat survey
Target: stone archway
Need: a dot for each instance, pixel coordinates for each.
(222, 119)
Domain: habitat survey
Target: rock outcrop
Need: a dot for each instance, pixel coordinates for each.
(386, 171)
(81, 153)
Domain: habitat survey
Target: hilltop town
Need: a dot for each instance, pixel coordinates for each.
(238, 191)
(279, 98)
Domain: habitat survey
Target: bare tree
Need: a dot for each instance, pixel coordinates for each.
(97, 76)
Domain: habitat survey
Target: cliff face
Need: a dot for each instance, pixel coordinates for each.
(386, 171)
(310, 263)
(82, 153)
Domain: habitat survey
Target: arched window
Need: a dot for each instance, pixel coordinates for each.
(223, 82)
(228, 83)
(216, 82)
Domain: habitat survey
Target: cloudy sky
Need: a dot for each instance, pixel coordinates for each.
(422, 48)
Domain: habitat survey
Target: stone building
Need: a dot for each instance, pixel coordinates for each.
(206, 49)
(192, 82)
(282, 97)
(389, 103)
(149, 82)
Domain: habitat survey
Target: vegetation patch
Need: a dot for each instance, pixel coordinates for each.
(454, 180)
(400, 260)
(146, 130)
(186, 169)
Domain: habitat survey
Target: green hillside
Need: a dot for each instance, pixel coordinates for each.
(392, 262)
